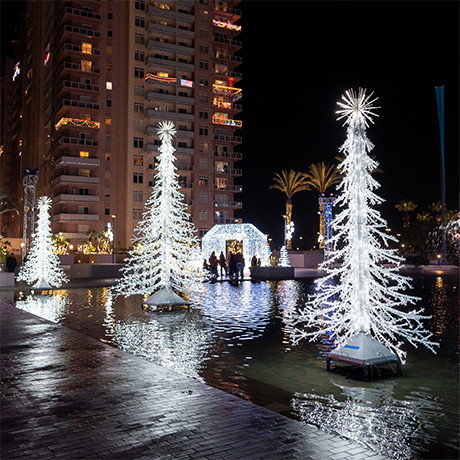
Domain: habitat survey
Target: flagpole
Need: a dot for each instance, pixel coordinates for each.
(440, 102)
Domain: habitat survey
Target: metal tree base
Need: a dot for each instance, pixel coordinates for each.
(364, 351)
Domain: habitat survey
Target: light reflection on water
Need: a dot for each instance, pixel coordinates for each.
(235, 338)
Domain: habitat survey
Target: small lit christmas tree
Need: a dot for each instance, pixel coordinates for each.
(366, 298)
(284, 257)
(163, 255)
(42, 264)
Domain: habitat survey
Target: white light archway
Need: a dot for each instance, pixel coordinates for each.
(254, 241)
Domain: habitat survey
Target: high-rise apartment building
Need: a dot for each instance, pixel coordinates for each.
(93, 79)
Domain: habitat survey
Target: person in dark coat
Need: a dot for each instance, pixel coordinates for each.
(213, 263)
(223, 264)
(239, 262)
(11, 263)
(232, 266)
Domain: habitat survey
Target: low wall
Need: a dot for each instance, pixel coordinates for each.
(273, 273)
(95, 270)
(304, 259)
(6, 279)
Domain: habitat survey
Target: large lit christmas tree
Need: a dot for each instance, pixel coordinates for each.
(162, 259)
(359, 294)
(42, 264)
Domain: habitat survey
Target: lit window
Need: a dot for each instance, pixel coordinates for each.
(108, 175)
(86, 65)
(108, 157)
(107, 192)
(108, 85)
(87, 48)
(83, 172)
(84, 154)
(108, 121)
(109, 50)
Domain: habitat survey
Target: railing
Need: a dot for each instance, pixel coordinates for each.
(225, 9)
(185, 167)
(79, 30)
(184, 184)
(227, 41)
(77, 48)
(228, 57)
(79, 104)
(83, 13)
(72, 66)
(223, 137)
(78, 141)
(228, 204)
(229, 188)
(217, 220)
(228, 73)
(225, 154)
(232, 172)
(77, 85)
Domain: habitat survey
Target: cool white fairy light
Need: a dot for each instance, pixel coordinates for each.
(42, 264)
(164, 238)
(284, 257)
(367, 296)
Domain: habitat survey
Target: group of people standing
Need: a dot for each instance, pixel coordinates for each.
(232, 265)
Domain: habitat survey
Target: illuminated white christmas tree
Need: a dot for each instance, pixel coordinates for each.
(42, 264)
(162, 258)
(284, 257)
(359, 294)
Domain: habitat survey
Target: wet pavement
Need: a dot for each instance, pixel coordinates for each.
(68, 396)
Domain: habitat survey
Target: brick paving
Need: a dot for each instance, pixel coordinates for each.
(68, 396)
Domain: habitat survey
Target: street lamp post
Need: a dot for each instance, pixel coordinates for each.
(113, 241)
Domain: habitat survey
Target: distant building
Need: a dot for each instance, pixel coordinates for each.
(93, 79)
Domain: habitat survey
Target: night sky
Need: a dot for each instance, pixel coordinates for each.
(299, 58)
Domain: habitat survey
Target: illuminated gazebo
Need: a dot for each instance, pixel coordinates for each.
(231, 238)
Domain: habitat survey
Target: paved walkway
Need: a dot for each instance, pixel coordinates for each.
(68, 396)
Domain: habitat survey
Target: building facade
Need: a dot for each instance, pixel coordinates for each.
(95, 78)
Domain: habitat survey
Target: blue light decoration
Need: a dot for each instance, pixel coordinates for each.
(16, 70)
(325, 223)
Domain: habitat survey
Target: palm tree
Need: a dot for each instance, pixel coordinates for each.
(322, 177)
(290, 183)
(7, 203)
(406, 206)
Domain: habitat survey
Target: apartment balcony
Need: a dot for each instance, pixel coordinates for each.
(228, 204)
(162, 115)
(230, 74)
(75, 198)
(184, 167)
(225, 138)
(226, 24)
(67, 217)
(78, 104)
(222, 7)
(228, 57)
(157, 62)
(234, 155)
(66, 141)
(67, 85)
(80, 161)
(228, 171)
(153, 28)
(66, 179)
(171, 98)
(229, 188)
(88, 70)
(81, 13)
(227, 41)
(68, 48)
(85, 33)
(170, 47)
(160, 12)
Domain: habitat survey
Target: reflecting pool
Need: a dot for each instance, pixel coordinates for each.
(233, 338)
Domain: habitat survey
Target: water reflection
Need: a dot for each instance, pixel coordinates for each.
(373, 417)
(176, 340)
(51, 305)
